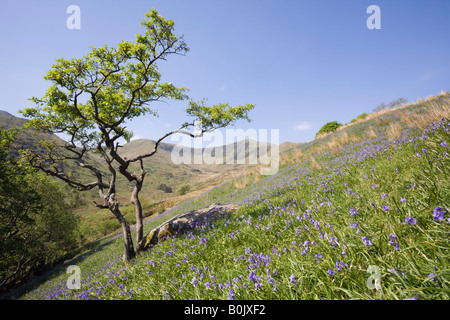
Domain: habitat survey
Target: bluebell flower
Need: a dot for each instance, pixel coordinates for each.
(353, 211)
(252, 276)
(438, 214)
(318, 256)
(367, 241)
(293, 280)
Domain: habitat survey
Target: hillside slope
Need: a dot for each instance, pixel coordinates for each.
(359, 214)
(162, 184)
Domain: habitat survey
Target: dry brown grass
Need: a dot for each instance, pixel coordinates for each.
(323, 135)
(240, 182)
(253, 174)
(385, 111)
(298, 155)
(371, 133)
(394, 130)
(420, 120)
(343, 138)
(286, 158)
(294, 155)
(334, 145)
(355, 139)
(314, 165)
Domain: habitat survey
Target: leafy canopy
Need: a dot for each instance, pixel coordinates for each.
(93, 96)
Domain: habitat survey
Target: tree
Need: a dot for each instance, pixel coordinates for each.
(36, 225)
(92, 98)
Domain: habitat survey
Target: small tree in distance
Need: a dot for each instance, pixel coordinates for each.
(92, 98)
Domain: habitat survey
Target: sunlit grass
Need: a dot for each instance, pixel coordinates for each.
(310, 232)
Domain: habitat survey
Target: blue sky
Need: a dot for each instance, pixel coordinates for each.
(302, 63)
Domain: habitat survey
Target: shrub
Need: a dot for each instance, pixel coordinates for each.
(329, 127)
(184, 189)
(362, 116)
(165, 188)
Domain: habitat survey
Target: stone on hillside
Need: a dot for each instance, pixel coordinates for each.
(182, 222)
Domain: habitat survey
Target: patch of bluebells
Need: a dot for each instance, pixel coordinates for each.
(304, 219)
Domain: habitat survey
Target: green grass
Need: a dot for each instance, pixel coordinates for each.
(302, 233)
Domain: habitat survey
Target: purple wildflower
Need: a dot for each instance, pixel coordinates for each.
(394, 242)
(385, 207)
(353, 211)
(293, 280)
(432, 275)
(438, 214)
(252, 276)
(231, 295)
(318, 256)
(203, 240)
(367, 241)
(339, 264)
(411, 220)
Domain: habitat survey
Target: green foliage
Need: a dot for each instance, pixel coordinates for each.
(329, 127)
(165, 188)
(362, 116)
(184, 189)
(36, 225)
(117, 84)
(380, 190)
(217, 116)
(92, 99)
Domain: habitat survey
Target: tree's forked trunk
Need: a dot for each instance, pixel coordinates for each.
(139, 226)
(129, 252)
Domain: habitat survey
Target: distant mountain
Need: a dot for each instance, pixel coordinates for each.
(4, 113)
(27, 138)
(160, 167)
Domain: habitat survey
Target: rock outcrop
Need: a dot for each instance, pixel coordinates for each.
(182, 222)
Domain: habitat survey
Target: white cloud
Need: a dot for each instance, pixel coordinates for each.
(222, 88)
(303, 126)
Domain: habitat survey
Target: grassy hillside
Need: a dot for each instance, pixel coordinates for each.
(160, 169)
(368, 202)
